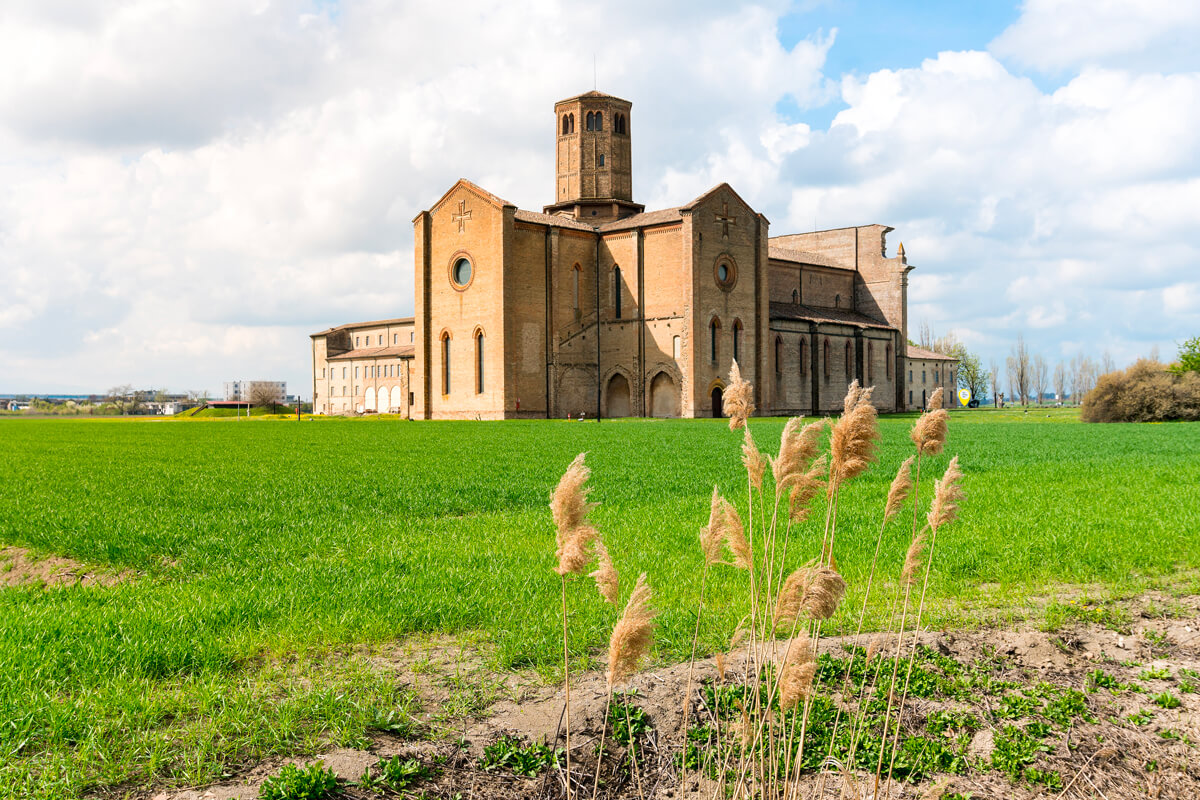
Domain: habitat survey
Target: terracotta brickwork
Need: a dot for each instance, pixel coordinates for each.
(597, 307)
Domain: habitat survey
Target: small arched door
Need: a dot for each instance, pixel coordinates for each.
(617, 400)
(718, 404)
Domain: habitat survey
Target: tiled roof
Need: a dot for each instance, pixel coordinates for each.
(644, 219)
(802, 257)
(836, 316)
(349, 326)
(553, 220)
(928, 355)
(400, 351)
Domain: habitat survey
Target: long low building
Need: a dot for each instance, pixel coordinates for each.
(595, 306)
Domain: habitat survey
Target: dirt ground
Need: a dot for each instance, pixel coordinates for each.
(1136, 747)
(20, 567)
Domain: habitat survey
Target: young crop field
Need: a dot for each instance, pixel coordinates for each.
(239, 570)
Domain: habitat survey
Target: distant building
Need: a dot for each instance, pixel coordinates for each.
(927, 371)
(245, 391)
(596, 306)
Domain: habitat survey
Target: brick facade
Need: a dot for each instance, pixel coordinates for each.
(595, 306)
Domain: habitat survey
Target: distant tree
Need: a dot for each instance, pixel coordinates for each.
(1041, 377)
(1107, 364)
(971, 374)
(263, 394)
(160, 396)
(994, 375)
(198, 395)
(1020, 376)
(1060, 382)
(1189, 356)
(123, 399)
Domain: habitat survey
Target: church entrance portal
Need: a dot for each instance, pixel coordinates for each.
(664, 399)
(718, 402)
(617, 397)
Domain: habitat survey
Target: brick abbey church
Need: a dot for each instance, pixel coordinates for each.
(595, 306)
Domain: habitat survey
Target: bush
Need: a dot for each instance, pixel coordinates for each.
(1145, 392)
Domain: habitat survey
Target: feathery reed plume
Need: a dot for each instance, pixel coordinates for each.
(798, 447)
(719, 661)
(632, 636)
(901, 487)
(913, 559)
(935, 399)
(946, 494)
(804, 488)
(569, 504)
(853, 441)
(605, 574)
(569, 507)
(712, 535)
(796, 676)
(735, 536)
(738, 400)
(816, 590)
(574, 550)
(929, 431)
(753, 460)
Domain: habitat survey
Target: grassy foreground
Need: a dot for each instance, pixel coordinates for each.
(266, 550)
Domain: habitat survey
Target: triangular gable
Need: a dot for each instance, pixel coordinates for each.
(481, 193)
(713, 191)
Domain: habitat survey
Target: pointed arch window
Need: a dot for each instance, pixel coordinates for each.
(849, 362)
(825, 359)
(599, 120)
(870, 363)
(446, 363)
(478, 362)
(737, 341)
(566, 125)
(575, 278)
(617, 292)
(778, 356)
(714, 333)
(591, 121)
(803, 358)
(795, 297)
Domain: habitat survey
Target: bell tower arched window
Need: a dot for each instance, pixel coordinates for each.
(714, 332)
(599, 120)
(737, 340)
(566, 126)
(446, 363)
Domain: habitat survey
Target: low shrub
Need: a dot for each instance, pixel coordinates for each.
(313, 782)
(1145, 392)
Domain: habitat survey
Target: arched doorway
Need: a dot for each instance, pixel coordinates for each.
(369, 403)
(617, 397)
(718, 404)
(664, 398)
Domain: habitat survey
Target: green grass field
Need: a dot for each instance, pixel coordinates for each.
(269, 553)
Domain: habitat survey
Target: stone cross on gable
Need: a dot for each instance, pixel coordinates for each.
(461, 216)
(724, 219)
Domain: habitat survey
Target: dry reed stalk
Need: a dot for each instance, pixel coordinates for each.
(712, 535)
(798, 447)
(605, 574)
(632, 636)
(899, 491)
(752, 459)
(574, 535)
(735, 537)
(853, 441)
(943, 510)
(815, 590)
(738, 399)
(796, 675)
(929, 432)
(804, 488)
(569, 505)
(913, 559)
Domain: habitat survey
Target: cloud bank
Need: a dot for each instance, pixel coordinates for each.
(188, 190)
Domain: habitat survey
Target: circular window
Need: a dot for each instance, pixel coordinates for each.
(725, 272)
(461, 270)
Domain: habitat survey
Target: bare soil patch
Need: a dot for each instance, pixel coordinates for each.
(20, 567)
(1129, 742)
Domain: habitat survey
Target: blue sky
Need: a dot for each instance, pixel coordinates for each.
(188, 190)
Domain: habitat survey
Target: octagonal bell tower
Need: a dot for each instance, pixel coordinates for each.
(593, 158)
